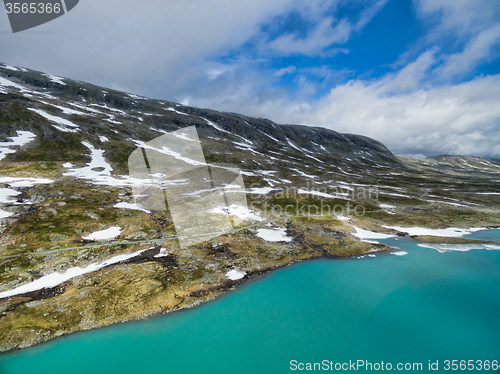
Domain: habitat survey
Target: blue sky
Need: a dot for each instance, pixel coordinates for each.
(421, 76)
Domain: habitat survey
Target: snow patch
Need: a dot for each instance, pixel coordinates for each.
(365, 234)
(22, 138)
(278, 235)
(60, 121)
(399, 253)
(97, 170)
(66, 110)
(450, 232)
(238, 211)
(9, 67)
(163, 253)
(167, 151)
(269, 136)
(55, 79)
(104, 106)
(235, 274)
(132, 206)
(444, 248)
(7, 83)
(215, 126)
(322, 194)
(304, 174)
(387, 206)
(260, 190)
(24, 182)
(5, 214)
(6, 194)
(55, 279)
(108, 234)
(343, 218)
(176, 111)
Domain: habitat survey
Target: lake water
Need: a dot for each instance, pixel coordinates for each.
(422, 306)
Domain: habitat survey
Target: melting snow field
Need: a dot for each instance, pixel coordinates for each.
(450, 232)
(6, 194)
(55, 79)
(55, 279)
(387, 206)
(132, 206)
(98, 169)
(16, 182)
(443, 248)
(7, 83)
(278, 235)
(260, 190)
(22, 138)
(169, 152)
(235, 274)
(5, 198)
(4, 214)
(64, 123)
(215, 126)
(365, 234)
(238, 211)
(108, 234)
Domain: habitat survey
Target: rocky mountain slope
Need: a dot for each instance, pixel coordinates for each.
(78, 252)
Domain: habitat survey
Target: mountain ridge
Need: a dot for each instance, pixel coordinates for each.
(234, 122)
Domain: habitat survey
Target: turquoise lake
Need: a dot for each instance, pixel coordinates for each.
(422, 306)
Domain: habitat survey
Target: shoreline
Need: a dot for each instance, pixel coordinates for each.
(216, 293)
(237, 284)
(208, 293)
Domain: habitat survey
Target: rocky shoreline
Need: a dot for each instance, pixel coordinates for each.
(147, 285)
(150, 285)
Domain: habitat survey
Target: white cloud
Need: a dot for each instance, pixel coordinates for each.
(327, 32)
(470, 25)
(408, 116)
(459, 16)
(324, 35)
(411, 76)
(287, 70)
(477, 50)
(368, 14)
(131, 45)
(459, 119)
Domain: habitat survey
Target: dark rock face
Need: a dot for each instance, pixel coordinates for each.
(138, 116)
